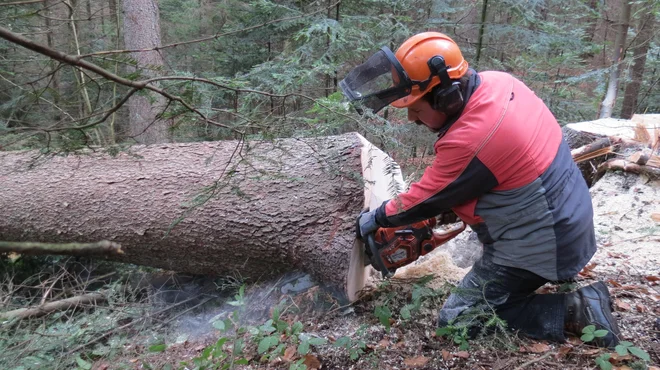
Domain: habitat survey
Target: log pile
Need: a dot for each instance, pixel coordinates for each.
(627, 145)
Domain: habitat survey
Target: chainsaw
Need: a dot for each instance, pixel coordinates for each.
(390, 248)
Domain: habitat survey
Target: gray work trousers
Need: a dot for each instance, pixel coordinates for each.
(508, 292)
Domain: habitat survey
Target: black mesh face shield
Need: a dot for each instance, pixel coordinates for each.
(376, 83)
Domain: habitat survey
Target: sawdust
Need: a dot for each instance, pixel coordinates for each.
(628, 237)
(438, 263)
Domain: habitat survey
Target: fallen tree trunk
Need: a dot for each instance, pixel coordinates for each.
(64, 304)
(251, 209)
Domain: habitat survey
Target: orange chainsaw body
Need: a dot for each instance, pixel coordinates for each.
(391, 248)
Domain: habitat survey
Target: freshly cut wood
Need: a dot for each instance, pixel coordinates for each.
(64, 304)
(621, 128)
(103, 247)
(250, 209)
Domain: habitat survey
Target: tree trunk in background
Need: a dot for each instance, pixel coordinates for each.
(482, 25)
(142, 31)
(272, 207)
(607, 106)
(591, 21)
(640, 49)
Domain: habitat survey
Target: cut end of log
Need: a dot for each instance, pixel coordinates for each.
(357, 276)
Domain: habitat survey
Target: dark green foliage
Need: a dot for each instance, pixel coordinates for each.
(273, 67)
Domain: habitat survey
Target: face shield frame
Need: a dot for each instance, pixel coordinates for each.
(361, 88)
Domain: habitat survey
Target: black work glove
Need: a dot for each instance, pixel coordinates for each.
(366, 224)
(447, 217)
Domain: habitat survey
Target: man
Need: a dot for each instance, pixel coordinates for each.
(503, 167)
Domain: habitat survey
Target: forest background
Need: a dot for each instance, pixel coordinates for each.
(190, 70)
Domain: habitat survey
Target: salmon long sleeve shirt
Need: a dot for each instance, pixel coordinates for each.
(504, 168)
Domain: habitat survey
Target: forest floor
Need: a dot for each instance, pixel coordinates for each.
(165, 321)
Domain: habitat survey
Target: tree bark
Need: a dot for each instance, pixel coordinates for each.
(253, 209)
(607, 105)
(640, 49)
(142, 31)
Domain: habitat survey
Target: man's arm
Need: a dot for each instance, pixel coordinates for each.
(456, 176)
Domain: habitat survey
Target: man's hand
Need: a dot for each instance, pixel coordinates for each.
(447, 217)
(366, 224)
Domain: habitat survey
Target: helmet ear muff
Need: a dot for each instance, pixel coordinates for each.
(448, 95)
(448, 100)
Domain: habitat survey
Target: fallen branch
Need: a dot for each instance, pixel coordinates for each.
(65, 304)
(624, 165)
(103, 247)
(596, 149)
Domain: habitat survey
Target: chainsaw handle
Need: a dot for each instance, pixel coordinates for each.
(443, 237)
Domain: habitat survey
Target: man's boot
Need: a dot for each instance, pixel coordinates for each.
(591, 305)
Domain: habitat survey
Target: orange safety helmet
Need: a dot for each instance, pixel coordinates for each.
(414, 55)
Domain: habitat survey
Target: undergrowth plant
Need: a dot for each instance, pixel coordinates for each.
(275, 338)
(624, 348)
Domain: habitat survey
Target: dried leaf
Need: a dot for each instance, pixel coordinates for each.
(591, 352)
(446, 356)
(416, 361)
(621, 305)
(624, 367)
(590, 267)
(653, 368)
(539, 348)
(652, 278)
(383, 344)
(289, 353)
(655, 297)
(462, 354)
(655, 217)
(563, 351)
(616, 358)
(613, 283)
(617, 255)
(574, 341)
(312, 362)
